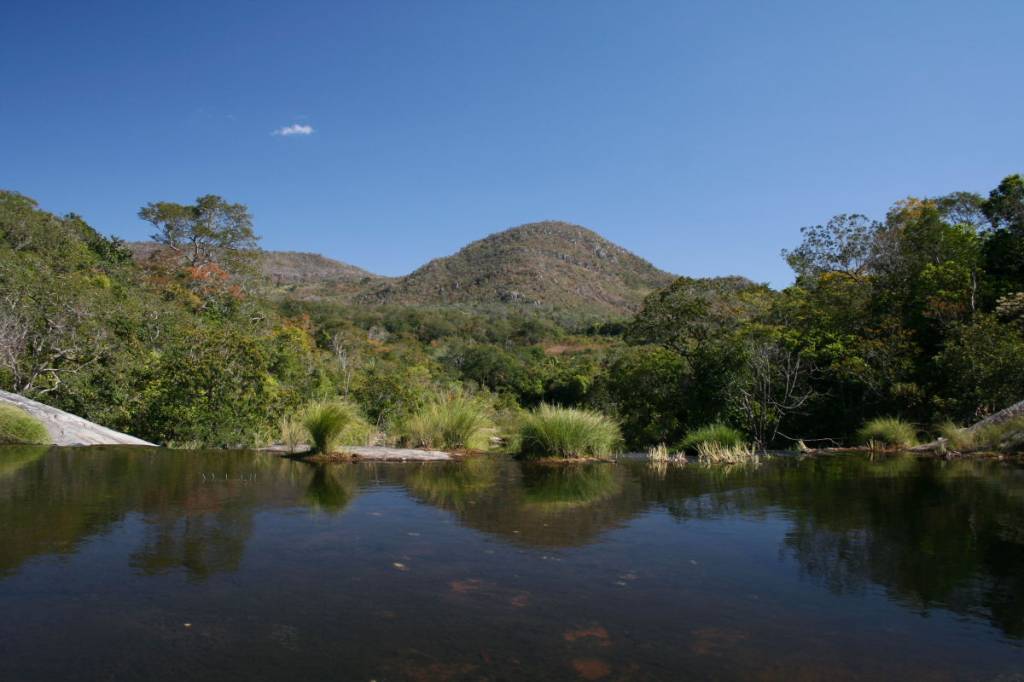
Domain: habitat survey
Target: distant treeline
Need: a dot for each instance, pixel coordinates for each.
(919, 316)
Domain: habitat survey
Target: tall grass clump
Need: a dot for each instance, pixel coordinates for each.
(710, 452)
(330, 424)
(449, 421)
(891, 432)
(658, 453)
(717, 433)
(957, 438)
(19, 427)
(551, 431)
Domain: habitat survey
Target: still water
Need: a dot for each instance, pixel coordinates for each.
(130, 564)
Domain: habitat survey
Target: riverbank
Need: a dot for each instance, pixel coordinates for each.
(66, 429)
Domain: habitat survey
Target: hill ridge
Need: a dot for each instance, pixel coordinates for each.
(552, 263)
(548, 263)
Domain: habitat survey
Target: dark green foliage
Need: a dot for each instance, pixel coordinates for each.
(647, 387)
(981, 367)
(213, 388)
(1004, 246)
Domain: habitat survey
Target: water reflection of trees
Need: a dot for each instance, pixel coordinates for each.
(14, 457)
(332, 488)
(196, 507)
(932, 533)
(534, 504)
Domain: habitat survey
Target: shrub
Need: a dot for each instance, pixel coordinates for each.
(450, 421)
(890, 431)
(331, 424)
(551, 431)
(712, 434)
(18, 426)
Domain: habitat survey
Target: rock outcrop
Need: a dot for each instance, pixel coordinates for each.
(1004, 415)
(67, 429)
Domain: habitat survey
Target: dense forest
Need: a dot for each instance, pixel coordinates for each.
(920, 315)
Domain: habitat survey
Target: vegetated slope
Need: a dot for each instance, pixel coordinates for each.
(291, 267)
(298, 274)
(552, 264)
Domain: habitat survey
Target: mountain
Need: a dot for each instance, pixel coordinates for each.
(296, 267)
(298, 274)
(549, 263)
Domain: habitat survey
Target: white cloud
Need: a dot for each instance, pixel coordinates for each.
(294, 129)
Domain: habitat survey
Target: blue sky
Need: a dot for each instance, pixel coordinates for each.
(700, 135)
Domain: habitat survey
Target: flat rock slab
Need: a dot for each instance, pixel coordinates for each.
(67, 429)
(372, 453)
(382, 454)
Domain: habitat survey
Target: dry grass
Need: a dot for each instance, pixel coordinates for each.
(716, 453)
(293, 433)
(659, 453)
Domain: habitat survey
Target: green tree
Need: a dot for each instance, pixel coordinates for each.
(648, 388)
(1004, 245)
(846, 245)
(213, 386)
(210, 231)
(980, 370)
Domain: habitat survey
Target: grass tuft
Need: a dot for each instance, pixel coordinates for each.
(712, 434)
(659, 453)
(888, 432)
(450, 421)
(1006, 436)
(331, 424)
(717, 453)
(19, 427)
(293, 433)
(551, 431)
